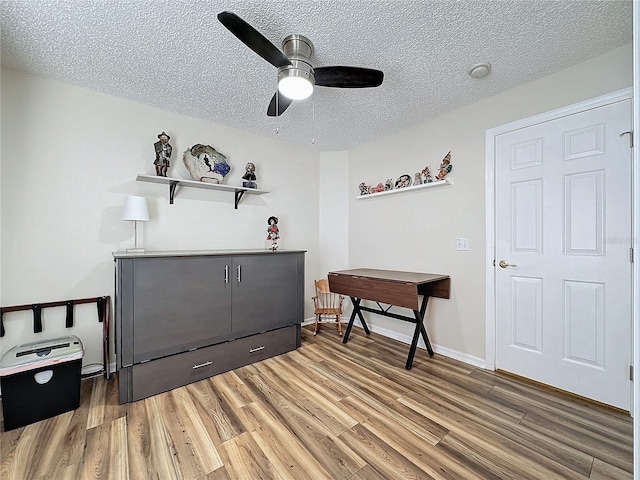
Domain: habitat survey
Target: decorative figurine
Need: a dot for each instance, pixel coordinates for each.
(206, 164)
(445, 167)
(403, 181)
(426, 173)
(163, 153)
(273, 233)
(417, 178)
(249, 176)
(364, 189)
(378, 188)
(388, 185)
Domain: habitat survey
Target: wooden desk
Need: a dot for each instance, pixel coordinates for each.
(401, 289)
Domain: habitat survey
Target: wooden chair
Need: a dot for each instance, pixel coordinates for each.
(326, 304)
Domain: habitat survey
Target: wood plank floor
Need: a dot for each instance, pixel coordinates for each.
(329, 411)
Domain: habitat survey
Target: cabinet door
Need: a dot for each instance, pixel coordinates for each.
(265, 292)
(179, 303)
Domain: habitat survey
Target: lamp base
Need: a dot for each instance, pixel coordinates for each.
(135, 250)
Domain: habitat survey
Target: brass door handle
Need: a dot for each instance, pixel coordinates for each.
(504, 264)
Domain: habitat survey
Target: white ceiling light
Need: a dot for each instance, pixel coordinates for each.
(480, 70)
(295, 83)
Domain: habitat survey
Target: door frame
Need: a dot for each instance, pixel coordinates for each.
(490, 192)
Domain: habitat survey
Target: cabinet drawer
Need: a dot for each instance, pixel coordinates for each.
(247, 350)
(174, 371)
(167, 373)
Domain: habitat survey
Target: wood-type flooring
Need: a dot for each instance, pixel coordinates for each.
(329, 411)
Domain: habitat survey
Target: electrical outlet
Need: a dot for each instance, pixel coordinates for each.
(462, 244)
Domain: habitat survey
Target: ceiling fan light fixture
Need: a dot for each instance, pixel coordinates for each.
(295, 83)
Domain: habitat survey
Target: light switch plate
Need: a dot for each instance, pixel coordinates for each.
(462, 244)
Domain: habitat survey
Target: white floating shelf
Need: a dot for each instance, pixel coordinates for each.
(437, 183)
(174, 182)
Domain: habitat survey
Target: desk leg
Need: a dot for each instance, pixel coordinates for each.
(419, 330)
(423, 330)
(356, 311)
(414, 342)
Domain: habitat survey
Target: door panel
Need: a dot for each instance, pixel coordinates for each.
(265, 292)
(179, 303)
(563, 232)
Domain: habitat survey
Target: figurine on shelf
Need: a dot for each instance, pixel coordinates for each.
(249, 176)
(388, 185)
(378, 188)
(417, 178)
(163, 153)
(445, 167)
(273, 233)
(364, 189)
(426, 173)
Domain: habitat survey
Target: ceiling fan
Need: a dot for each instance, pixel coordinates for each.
(296, 75)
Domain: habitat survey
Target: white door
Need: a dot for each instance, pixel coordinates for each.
(563, 226)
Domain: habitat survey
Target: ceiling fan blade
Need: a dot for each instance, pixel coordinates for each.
(253, 39)
(347, 77)
(283, 104)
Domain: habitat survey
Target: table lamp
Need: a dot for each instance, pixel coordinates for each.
(135, 210)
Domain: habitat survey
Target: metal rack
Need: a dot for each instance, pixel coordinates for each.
(103, 305)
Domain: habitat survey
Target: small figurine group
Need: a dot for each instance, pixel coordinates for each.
(273, 233)
(445, 168)
(405, 180)
(203, 162)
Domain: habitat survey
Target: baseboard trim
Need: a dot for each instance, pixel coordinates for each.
(444, 351)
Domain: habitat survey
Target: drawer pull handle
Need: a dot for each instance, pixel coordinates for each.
(257, 349)
(205, 364)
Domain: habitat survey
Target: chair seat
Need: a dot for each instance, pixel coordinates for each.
(328, 311)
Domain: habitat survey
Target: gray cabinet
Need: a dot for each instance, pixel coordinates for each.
(182, 317)
(261, 298)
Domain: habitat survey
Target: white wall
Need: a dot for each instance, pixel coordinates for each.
(417, 230)
(333, 229)
(69, 158)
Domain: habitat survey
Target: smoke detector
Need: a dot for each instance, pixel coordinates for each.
(480, 70)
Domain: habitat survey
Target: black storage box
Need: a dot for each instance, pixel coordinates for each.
(40, 380)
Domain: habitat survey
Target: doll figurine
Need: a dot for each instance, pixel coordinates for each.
(273, 233)
(250, 176)
(445, 167)
(426, 173)
(163, 153)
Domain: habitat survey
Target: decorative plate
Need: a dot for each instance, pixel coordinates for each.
(403, 181)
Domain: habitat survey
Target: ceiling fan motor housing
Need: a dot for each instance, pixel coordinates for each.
(299, 50)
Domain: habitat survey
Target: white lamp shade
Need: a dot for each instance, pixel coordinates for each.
(135, 209)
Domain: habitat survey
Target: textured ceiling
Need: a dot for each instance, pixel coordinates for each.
(175, 54)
